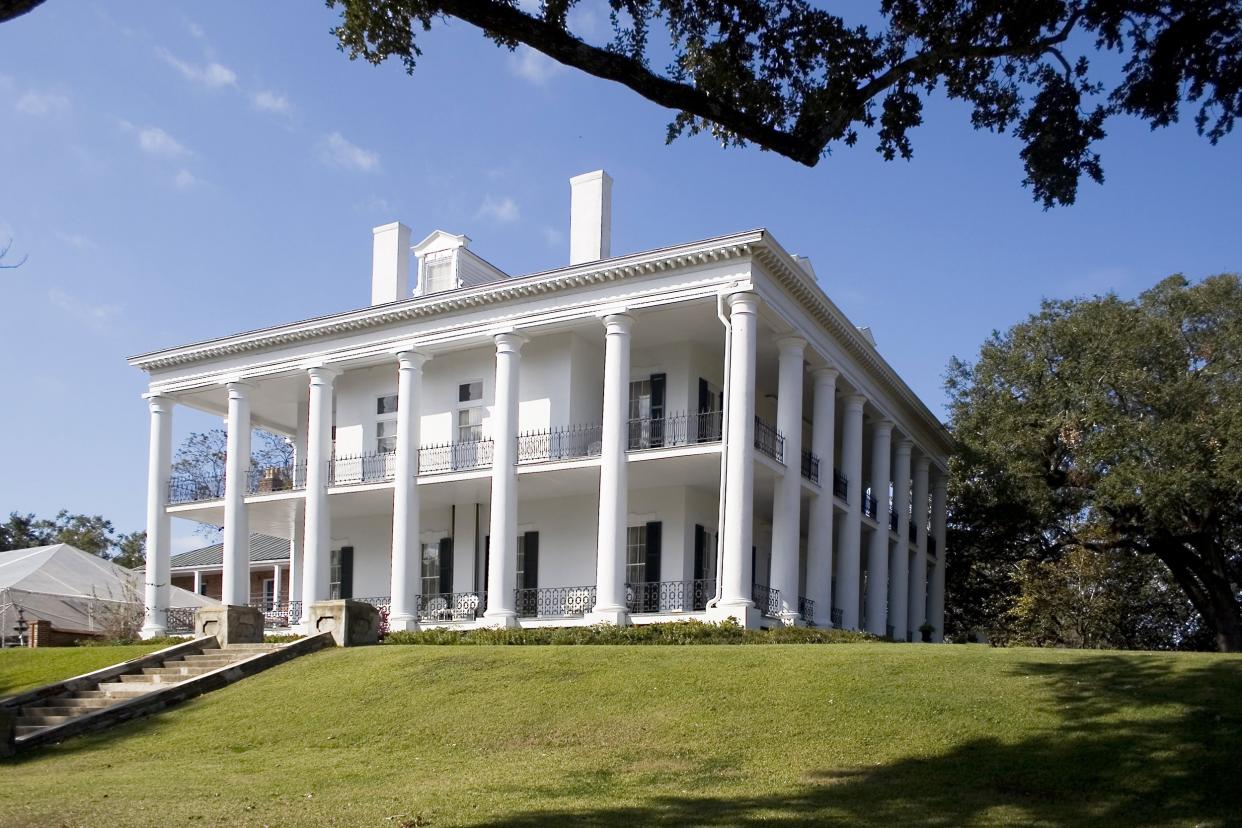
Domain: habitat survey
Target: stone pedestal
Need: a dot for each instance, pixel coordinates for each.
(230, 624)
(352, 623)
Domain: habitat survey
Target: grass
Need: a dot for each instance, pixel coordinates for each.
(22, 668)
(786, 735)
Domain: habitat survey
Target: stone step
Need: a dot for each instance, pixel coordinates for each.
(125, 689)
(199, 661)
(176, 670)
(40, 721)
(259, 646)
(67, 712)
(89, 703)
(25, 730)
(90, 694)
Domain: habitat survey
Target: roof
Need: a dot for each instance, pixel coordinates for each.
(262, 548)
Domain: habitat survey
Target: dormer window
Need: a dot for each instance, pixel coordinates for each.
(438, 271)
(445, 262)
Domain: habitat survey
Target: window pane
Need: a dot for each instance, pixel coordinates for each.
(438, 270)
(431, 568)
(470, 391)
(386, 405)
(521, 560)
(469, 425)
(636, 555)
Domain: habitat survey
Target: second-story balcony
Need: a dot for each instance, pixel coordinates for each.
(551, 444)
(810, 465)
(674, 430)
(452, 457)
(769, 441)
(869, 505)
(272, 479)
(840, 484)
(359, 469)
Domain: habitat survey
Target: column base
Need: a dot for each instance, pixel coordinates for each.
(502, 619)
(152, 631)
(616, 616)
(402, 623)
(792, 619)
(744, 613)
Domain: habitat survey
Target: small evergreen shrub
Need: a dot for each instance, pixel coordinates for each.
(281, 639)
(673, 632)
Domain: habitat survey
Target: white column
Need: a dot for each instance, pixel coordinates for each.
(198, 582)
(502, 568)
(159, 529)
(877, 553)
(317, 535)
(276, 591)
(297, 530)
(406, 557)
(739, 512)
(935, 609)
(610, 604)
(849, 564)
(236, 589)
(899, 557)
(787, 494)
(820, 519)
(917, 601)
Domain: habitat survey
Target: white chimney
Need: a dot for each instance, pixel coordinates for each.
(590, 217)
(390, 263)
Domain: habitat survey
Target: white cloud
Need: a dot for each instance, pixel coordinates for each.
(552, 236)
(97, 317)
(194, 29)
(501, 209)
(42, 104)
(156, 141)
(270, 101)
(533, 66)
(77, 241)
(340, 152)
(184, 179)
(212, 76)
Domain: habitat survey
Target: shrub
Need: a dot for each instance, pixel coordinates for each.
(674, 632)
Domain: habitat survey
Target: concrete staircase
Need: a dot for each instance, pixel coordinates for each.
(60, 709)
(136, 688)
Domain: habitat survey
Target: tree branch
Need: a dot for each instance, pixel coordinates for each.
(10, 9)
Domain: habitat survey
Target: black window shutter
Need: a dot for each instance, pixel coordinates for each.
(653, 551)
(658, 382)
(700, 549)
(530, 578)
(446, 564)
(705, 396)
(347, 572)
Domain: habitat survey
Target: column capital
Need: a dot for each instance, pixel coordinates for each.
(619, 322)
(883, 427)
(411, 358)
(922, 464)
(854, 401)
(509, 342)
(159, 403)
(238, 388)
(825, 376)
(791, 345)
(905, 445)
(322, 374)
(744, 301)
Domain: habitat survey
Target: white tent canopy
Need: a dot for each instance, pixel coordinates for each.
(71, 589)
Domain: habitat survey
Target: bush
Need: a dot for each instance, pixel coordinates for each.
(162, 641)
(675, 632)
(281, 639)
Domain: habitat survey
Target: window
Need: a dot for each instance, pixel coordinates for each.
(269, 593)
(386, 405)
(438, 272)
(386, 436)
(431, 568)
(470, 391)
(334, 574)
(636, 555)
(469, 425)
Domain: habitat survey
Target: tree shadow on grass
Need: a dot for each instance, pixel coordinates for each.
(1136, 745)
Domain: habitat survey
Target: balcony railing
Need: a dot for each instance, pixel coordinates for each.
(555, 602)
(450, 606)
(268, 479)
(449, 457)
(674, 430)
(869, 505)
(275, 615)
(892, 518)
(810, 466)
(769, 441)
(840, 484)
(838, 617)
(383, 603)
(767, 600)
(357, 469)
(670, 596)
(180, 620)
(914, 532)
(806, 608)
(185, 488)
(568, 443)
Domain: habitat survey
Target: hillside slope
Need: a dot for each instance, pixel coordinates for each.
(783, 735)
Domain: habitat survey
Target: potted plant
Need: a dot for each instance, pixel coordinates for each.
(926, 631)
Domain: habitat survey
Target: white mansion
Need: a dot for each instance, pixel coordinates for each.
(690, 432)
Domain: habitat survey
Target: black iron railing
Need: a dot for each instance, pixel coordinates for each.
(810, 465)
(869, 505)
(838, 617)
(268, 479)
(767, 600)
(275, 614)
(184, 488)
(670, 596)
(356, 469)
(450, 606)
(449, 457)
(180, 621)
(383, 603)
(568, 443)
(914, 532)
(674, 430)
(555, 602)
(840, 484)
(769, 441)
(892, 518)
(806, 608)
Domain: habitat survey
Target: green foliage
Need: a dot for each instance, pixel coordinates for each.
(90, 533)
(157, 642)
(677, 632)
(797, 78)
(1109, 425)
(281, 639)
(24, 668)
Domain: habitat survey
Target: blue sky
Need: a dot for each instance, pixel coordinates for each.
(176, 172)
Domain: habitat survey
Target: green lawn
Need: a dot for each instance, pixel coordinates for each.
(781, 735)
(22, 668)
